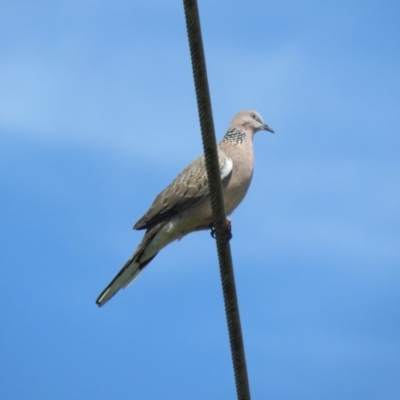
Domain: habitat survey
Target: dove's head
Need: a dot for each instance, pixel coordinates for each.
(250, 120)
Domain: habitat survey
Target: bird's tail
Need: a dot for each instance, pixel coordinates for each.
(132, 267)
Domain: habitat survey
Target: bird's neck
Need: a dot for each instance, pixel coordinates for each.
(236, 136)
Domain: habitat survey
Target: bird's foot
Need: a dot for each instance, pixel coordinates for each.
(228, 229)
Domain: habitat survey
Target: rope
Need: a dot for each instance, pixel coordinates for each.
(217, 205)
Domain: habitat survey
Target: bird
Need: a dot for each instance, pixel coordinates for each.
(184, 206)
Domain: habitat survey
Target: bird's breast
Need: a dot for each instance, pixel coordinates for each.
(239, 182)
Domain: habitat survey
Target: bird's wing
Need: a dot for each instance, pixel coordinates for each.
(188, 189)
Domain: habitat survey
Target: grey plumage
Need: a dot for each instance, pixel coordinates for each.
(184, 206)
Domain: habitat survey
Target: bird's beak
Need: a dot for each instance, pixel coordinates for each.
(267, 128)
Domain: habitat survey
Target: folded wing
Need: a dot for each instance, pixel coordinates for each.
(187, 190)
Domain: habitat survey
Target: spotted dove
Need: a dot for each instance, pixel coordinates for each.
(184, 206)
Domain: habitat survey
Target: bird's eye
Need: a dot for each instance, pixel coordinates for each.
(253, 116)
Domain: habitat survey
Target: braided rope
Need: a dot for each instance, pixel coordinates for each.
(217, 204)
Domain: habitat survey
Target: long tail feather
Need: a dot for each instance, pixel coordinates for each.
(131, 269)
(128, 273)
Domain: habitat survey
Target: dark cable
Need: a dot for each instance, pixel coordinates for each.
(214, 181)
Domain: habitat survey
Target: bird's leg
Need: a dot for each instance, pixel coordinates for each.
(228, 229)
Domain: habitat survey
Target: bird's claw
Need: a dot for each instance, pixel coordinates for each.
(212, 229)
(228, 229)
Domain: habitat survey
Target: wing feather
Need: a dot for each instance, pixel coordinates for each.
(188, 189)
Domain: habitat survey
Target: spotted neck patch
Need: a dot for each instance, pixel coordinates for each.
(234, 136)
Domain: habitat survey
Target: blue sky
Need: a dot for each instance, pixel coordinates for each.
(98, 114)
